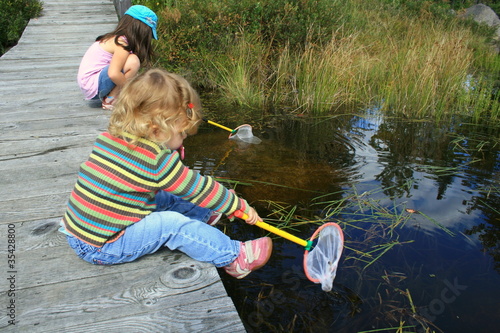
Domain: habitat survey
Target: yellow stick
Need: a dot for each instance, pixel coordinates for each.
(219, 125)
(274, 230)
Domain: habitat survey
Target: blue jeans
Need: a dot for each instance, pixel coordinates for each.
(176, 224)
(105, 84)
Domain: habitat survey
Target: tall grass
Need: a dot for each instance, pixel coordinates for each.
(411, 66)
(326, 55)
(327, 77)
(426, 69)
(239, 73)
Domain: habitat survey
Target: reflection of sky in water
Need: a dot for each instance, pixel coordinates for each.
(366, 155)
(359, 156)
(449, 211)
(433, 260)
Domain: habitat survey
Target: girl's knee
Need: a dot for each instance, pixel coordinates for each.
(132, 65)
(165, 220)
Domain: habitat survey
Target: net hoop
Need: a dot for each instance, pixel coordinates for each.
(244, 133)
(338, 251)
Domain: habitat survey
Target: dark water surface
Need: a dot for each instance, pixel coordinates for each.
(421, 219)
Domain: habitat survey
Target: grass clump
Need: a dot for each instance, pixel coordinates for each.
(412, 58)
(14, 16)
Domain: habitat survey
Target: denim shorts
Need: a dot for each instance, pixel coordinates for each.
(105, 84)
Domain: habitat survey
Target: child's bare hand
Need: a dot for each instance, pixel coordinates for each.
(253, 217)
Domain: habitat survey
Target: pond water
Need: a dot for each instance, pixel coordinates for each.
(419, 204)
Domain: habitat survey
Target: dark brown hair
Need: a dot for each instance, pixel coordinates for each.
(138, 34)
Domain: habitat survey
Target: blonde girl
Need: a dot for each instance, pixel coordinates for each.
(117, 56)
(134, 196)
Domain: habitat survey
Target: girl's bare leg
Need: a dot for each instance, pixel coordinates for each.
(131, 68)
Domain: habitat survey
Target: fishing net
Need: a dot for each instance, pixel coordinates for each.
(320, 264)
(244, 133)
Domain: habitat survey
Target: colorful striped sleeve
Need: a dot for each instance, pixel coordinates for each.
(204, 191)
(116, 187)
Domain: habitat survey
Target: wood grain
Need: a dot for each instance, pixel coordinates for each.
(46, 132)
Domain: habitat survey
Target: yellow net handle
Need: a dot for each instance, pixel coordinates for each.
(306, 244)
(219, 125)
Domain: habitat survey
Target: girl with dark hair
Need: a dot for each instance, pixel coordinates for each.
(117, 56)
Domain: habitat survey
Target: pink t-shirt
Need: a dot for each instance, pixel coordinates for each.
(93, 62)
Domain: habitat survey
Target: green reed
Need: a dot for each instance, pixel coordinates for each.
(378, 220)
(238, 73)
(408, 58)
(370, 227)
(371, 222)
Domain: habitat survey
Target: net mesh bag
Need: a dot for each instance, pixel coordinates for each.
(320, 264)
(244, 133)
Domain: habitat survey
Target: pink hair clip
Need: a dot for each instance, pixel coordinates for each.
(190, 105)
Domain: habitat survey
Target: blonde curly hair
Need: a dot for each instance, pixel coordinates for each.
(153, 101)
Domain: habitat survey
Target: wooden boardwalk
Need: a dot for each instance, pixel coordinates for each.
(46, 131)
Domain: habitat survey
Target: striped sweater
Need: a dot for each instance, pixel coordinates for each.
(116, 187)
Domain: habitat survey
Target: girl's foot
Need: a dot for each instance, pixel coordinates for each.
(253, 255)
(107, 103)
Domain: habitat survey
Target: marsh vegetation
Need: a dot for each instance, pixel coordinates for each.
(380, 115)
(410, 58)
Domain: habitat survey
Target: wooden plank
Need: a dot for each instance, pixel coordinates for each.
(55, 160)
(39, 207)
(43, 94)
(35, 80)
(46, 131)
(78, 293)
(30, 69)
(73, 125)
(213, 315)
(38, 187)
(168, 288)
(41, 146)
(53, 108)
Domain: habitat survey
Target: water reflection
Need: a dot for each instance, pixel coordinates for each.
(443, 257)
(277, 172)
